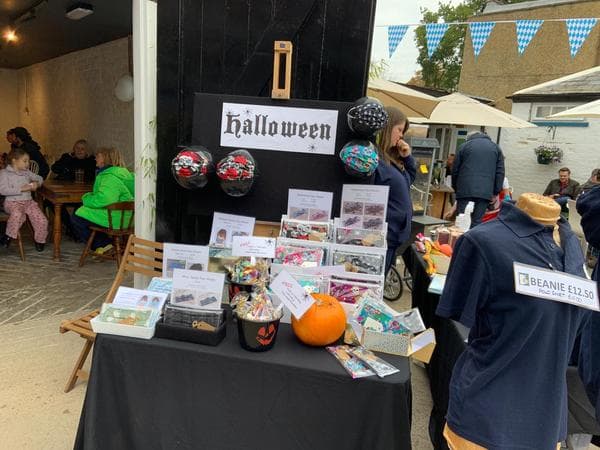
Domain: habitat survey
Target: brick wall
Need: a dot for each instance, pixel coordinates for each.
(9, 104)
(71, 97)
(580, 147)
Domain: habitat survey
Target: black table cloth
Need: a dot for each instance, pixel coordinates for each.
(451, 341)
(163, 394)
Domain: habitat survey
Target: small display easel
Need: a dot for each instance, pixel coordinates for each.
(282, 64)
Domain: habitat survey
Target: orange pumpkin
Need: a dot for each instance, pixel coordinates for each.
(322, 324)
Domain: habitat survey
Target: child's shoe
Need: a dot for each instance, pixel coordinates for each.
(39, 246)
(5, 241)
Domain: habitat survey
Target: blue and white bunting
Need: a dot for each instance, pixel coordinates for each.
(578, 31)
(395, 35)
(434, 32)
(526, 30)
(480, 31)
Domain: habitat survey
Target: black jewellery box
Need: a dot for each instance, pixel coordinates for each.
(181, 324)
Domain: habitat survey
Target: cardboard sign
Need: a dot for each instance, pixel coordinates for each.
(193, 289)
(180, 256)
(556, 286)
(291, 294)
(364, 206)
(314, 206)
(258, 247)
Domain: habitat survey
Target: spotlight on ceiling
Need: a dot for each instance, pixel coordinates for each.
(11, 36)
(79, 10)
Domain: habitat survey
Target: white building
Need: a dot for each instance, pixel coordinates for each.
(578, 138)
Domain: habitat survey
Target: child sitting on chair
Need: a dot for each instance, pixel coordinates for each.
(17, 183)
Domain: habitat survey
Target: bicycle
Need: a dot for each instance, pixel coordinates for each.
(394, 284)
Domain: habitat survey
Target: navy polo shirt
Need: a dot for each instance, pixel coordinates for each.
(508, 388)
(588, 205)
(399, 211)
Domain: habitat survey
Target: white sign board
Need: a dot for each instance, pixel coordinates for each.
(258, 247)
(279, 128)
(181, 256)
(556, 286)
(130, 297)
(309, 205)
(225, 226)
(364, 206)
(291, 293)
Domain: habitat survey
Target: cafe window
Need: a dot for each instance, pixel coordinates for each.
(541, 111)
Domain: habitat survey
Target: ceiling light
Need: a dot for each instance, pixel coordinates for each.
(11, 36)
(79, 10)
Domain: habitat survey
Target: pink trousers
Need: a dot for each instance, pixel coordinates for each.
(17, 211)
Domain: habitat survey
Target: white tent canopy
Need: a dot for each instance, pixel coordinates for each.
(591, 109)
(458, 109)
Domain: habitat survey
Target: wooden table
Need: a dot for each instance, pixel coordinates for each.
(440, 199)
(60, 192)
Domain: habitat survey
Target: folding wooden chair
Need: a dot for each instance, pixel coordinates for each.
(140, 256)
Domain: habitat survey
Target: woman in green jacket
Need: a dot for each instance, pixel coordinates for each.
(114, 183)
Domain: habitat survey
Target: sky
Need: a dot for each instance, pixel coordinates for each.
(403, 64)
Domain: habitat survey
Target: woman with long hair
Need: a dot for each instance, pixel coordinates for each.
(397, 169)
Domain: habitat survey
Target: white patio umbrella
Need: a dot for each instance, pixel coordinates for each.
(411, 102)
(458, 109)
(591, 109)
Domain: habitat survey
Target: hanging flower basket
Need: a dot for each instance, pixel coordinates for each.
(547, 154)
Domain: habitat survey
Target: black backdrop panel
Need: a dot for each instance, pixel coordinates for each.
(226, 47)
(278, 171)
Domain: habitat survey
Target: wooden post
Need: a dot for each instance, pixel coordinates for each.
(282, 51)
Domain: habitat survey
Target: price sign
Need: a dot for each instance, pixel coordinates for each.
(556, 286)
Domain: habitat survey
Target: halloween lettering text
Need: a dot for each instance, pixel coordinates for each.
(260, 125)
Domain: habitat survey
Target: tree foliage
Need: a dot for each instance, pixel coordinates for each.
(442, 70)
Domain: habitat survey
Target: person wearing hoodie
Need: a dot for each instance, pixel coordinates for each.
(114, 183)
(24, 141)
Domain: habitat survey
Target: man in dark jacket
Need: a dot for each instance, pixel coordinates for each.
(477, 174)
(588, 206)
(79, 159)
(563, 188)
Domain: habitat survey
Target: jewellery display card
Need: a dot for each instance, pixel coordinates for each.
(364, 206)
(180, 256)
(225, 226)
(363, 238)
(314, 206)
(306, 231)
(194, 289)
(137, 298)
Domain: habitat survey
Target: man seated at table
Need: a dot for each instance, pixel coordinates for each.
(78, 160)
(563, 188)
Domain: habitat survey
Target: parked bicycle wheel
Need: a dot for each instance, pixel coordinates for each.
(393, 288)
(408, 278)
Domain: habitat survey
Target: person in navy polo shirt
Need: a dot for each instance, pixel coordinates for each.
(588, 206)
(508, 389)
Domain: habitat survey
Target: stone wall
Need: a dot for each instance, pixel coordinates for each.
(71, 97)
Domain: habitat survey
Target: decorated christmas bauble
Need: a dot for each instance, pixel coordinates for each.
(366, 117)
(236, 173)
(360, 158)
(191, 167)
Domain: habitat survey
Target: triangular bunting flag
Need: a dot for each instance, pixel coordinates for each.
(395, 35)
(480, 31)
(526, 30)
(434, 32)
(578, 30)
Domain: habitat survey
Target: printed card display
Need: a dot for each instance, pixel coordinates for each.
(138, 298)
(194, 289)
(180, 256)
(258, 247)
(225, 226)
(556, 286)
(314, 206)
(364, 206)
(291, 293)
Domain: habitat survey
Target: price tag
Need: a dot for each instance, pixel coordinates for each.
(556, 286)
(253, 246)
(291, 294)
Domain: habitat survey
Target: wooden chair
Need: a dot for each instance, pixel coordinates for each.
(140, 256)
(34, 166)
(126, 212)
(4, 218)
